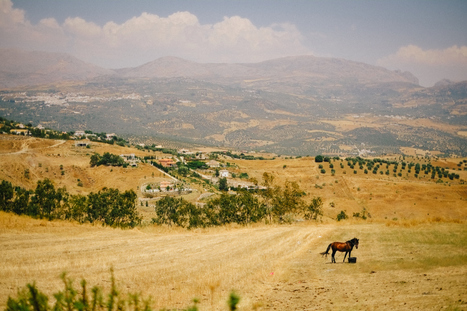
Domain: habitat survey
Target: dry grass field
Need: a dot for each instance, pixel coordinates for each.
(411, 256)
(399, 265)
(385, 197)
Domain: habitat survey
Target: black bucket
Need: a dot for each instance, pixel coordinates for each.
(352, 259)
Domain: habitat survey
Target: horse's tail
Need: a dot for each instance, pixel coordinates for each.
(327, 251)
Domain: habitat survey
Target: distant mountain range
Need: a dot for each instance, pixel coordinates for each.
(22, 68)
(308, 67)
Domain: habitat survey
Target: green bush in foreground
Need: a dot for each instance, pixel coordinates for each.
(71, 299)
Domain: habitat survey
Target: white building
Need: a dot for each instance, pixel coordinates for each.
(224, 173)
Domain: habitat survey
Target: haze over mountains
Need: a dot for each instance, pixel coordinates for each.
(293, 105)
(23, 68)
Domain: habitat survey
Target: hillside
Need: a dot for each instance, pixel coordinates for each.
(383, 196)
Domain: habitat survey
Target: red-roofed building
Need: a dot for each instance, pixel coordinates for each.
(167, 162)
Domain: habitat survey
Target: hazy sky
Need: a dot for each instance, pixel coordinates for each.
(426, 37)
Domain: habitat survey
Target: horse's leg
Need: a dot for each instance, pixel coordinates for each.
(345, 256)
(333, 253)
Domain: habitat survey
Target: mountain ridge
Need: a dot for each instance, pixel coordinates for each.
(26, 68)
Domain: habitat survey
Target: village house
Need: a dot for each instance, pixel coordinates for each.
(79, 133)
(128, 157)
(213, 163)
(167, 162)
(131, 159)
(164, 184)
(224, 173)
(110, 136)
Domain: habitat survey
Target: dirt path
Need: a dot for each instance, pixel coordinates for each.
(25, 144)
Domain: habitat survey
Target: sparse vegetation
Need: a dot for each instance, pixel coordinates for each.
(342, 216)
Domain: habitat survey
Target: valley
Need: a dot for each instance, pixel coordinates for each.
(296, 106)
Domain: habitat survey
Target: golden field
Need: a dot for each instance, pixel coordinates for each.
(399, 265)
(411, 255)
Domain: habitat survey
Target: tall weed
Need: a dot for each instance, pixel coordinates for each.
(71, 299)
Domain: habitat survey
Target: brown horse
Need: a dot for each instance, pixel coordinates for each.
(341, 247)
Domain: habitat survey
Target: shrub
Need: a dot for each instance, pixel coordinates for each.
(314, 209)
(341, 216)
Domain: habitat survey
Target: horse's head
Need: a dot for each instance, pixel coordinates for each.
(355, 242)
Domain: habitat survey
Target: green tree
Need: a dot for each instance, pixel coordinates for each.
(288, 200)
(319, 158)
(95, 158)
(169, 211)
(223, 185)
(242, 208)
(244, 176)
(113, 208)
(77, 208)
(6, 196)
(268, 193)
(249, 208)
(182, 170)
(47, 202)
(21, 202)
(314, 209)
(194, 216)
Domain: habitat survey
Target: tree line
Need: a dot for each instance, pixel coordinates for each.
(274, 204)
(118, 209)
(108, 206)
